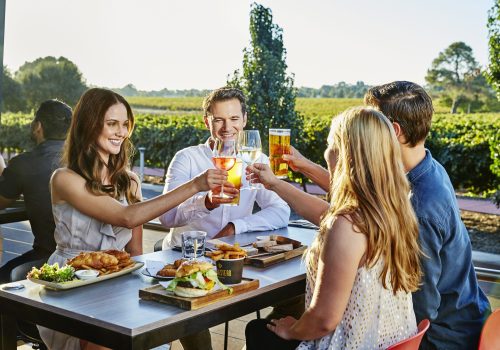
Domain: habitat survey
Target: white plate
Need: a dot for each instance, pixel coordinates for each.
(145, 272)
(78, 283)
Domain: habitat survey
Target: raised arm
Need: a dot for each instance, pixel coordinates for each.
(193, 208)
(67, 186)
(311, 170)
(308, 206)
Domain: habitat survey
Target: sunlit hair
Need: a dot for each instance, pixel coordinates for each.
(405, 103)
(223, 94)
(369, 187)
(81, 149)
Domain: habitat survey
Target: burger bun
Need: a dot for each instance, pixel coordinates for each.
(189, 292)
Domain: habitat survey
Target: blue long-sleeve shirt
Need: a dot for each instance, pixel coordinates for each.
(449, 296)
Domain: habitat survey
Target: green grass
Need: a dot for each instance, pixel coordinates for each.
(309, 107)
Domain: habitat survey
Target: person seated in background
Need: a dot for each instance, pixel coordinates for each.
(225, 116)
(364, 262)
(96, 200)
(449, 295)
(28, 174)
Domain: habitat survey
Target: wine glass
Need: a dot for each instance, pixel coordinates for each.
(224, 158)
(249, 148)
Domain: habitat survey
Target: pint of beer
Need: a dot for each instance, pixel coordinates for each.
(234, 177)
(279, 144)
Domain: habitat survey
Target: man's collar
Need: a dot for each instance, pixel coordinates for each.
(421, 167)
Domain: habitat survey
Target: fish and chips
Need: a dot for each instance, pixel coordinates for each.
(169, 270)
(105, 262)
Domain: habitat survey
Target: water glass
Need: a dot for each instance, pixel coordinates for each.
(249, 148)
(193, 244)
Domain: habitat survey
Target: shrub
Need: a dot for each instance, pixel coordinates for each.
(468, 146)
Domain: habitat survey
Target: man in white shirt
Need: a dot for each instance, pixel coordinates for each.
(224, 115)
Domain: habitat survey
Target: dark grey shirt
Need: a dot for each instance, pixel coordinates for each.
(29, 174)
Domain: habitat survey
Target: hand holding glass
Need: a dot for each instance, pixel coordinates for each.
(249, 148)
(224, 158)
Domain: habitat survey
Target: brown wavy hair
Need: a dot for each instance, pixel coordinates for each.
(370, 188)
(405, 103)
(81, 151)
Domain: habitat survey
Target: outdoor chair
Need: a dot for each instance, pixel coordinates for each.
(157, 246)
(412, 343)
(26, 331)
(490, 336)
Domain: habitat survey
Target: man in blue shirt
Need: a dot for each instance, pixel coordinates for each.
(449, 295)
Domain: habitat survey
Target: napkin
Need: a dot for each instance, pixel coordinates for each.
(153, 266)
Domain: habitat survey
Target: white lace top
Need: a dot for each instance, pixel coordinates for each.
(375, 318)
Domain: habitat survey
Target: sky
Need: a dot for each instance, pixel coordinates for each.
(183, 44)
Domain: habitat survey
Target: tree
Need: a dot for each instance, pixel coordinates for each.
(493, 72)
(455, 72)
(269, 90)
(50, 77)
(12, 99)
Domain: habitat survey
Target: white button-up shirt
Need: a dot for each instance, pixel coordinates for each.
(193, 214)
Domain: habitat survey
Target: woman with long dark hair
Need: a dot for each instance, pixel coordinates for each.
(96, 199)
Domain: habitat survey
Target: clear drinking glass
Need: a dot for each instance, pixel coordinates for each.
(249, 148)
(234, 176)
(193, 244)
(224, 158)
(279, 144)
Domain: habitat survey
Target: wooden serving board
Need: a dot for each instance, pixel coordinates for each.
(160, 294)
(264, 261)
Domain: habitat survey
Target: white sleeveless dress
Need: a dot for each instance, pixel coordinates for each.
(74, 233)
(375, 318)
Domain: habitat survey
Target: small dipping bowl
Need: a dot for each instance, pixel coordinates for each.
(263, 238)
(86, 274)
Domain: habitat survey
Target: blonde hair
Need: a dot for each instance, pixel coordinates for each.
(370, 188)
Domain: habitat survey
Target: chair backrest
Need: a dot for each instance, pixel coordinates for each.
(412, 343)
(158, 245)
(19, 272)
(490, 335)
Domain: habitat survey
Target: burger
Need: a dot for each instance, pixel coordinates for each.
(194, 278)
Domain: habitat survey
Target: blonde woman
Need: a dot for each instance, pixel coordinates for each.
(364, 263)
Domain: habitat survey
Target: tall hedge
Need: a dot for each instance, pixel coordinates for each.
(466, 145)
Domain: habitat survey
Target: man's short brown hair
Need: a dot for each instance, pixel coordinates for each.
(405, 103)
(223, 94)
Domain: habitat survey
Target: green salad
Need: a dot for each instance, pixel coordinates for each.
(53, 273)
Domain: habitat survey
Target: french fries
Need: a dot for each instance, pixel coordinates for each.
(227, 251)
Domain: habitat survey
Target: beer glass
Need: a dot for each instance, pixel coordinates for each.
(249, 148)
(234, 177)
(279, 144)
(224, 158)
